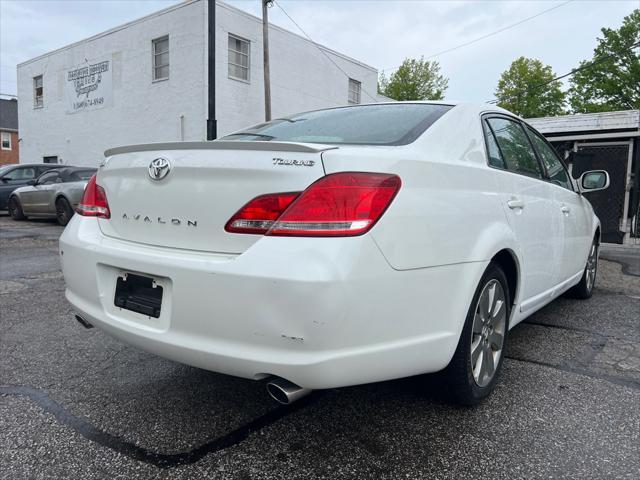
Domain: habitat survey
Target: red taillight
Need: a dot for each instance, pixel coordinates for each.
(259, 215)
(338, 205)
(94, 201)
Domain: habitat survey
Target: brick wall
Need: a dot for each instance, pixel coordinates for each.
(10, 156)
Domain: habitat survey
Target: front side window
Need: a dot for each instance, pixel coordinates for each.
(388, 124)
(354, 91)
(26, 173)
(160, 58)
(38, 92)
(517, 152)
(555, 169)
(6, 140)
(238, 58)
(48, 178)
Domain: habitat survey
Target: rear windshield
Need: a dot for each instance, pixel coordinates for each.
(388, 124)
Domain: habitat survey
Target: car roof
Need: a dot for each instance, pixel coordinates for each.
(69, 170)
(66, 172)
(48, 165)
(471, 106)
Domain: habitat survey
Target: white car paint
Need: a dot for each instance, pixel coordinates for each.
(321, 312)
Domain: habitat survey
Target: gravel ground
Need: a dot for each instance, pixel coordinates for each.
(75, 403)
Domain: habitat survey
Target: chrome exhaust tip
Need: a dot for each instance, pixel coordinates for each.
(83, 322)
(285, 392)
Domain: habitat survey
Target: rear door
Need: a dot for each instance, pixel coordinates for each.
(529, 206)
(569, 206)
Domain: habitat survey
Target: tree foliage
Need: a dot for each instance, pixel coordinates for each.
(527, 89)
(414, 80)
(611, 80)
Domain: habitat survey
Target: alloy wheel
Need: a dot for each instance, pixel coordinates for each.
(487, 334)
(61, 213)
(592, 266)
(12, 208)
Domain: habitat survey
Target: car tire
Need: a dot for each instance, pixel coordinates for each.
(15, 209)
(64, 212)
(475, 367)
(584, 289)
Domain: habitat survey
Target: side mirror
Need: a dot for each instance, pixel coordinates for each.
(32, 182)
(4, 180)
(593, 180)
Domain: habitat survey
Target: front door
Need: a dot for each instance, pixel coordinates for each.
(39, 199)
(17, 177)
(569, 206)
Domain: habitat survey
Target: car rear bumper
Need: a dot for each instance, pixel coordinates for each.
(319, 312)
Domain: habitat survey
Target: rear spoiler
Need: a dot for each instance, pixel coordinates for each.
(222, 145)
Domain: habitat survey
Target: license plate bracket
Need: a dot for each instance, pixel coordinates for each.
(139, 294)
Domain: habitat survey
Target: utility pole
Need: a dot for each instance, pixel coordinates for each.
(265, 58)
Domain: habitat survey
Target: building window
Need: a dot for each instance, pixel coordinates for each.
(38, 92)
(354, 91)
(50, 159)
(238, 58)
(6, 140)
(160, 58)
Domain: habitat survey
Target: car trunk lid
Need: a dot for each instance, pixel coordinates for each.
(206, 184)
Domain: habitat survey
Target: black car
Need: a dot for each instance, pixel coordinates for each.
(19, 175)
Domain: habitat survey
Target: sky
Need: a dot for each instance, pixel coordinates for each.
(380, 33)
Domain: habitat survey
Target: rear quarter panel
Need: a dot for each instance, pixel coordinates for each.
(448, 209)
(72, 191)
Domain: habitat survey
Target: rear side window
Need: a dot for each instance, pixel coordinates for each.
(516, 150)
(555, 169)
(495, 157)
(81, 175)
(388, 124)
(41, 170)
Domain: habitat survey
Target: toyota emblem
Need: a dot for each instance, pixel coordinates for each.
(159, 168)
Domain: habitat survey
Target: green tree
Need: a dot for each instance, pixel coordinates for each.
(527, 89)
(611, 80)
(414, 80)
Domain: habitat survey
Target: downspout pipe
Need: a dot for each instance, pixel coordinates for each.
(212, 123)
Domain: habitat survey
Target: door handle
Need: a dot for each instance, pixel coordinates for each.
(515, 204)
(565, 209)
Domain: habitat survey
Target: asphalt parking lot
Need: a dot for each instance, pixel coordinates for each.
(75, 403)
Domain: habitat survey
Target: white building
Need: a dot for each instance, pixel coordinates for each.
(148, 81)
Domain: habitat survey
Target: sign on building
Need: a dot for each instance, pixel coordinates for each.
(88, 86)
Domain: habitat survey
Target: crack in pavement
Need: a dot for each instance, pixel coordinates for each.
(581, 363)
(136, 452)
(579, 371)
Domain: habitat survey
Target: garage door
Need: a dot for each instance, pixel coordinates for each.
(608, 204)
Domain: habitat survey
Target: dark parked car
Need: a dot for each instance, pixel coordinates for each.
(55, 193)
(19, 175)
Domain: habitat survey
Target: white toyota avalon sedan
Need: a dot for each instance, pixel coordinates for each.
(335, 247)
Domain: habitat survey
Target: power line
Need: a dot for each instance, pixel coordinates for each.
(560, 77)
(321, 50)
(508, 27)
